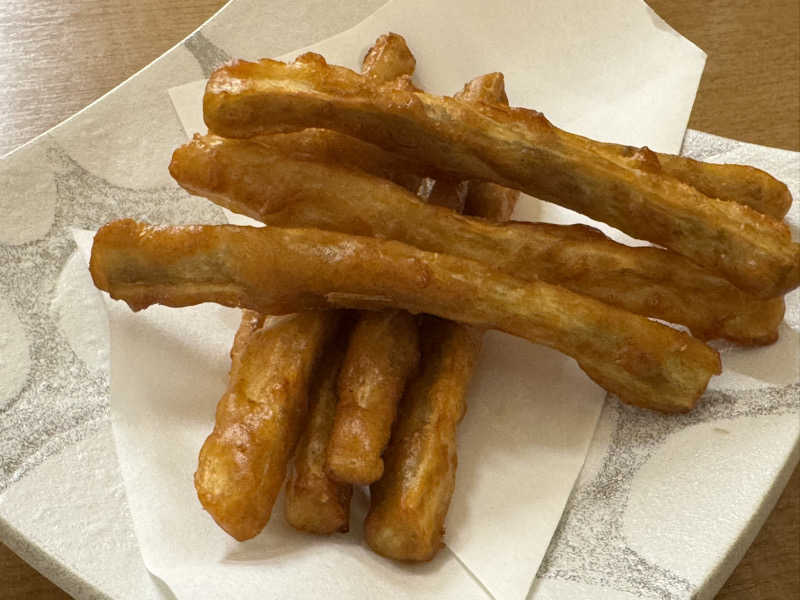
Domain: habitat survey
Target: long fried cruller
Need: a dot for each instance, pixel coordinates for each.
(273, 270)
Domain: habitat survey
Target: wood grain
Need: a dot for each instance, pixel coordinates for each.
(751, 84)
(59, 55)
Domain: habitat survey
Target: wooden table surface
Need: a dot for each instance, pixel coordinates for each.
(59, 55)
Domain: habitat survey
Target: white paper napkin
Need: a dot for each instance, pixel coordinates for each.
(612, 70)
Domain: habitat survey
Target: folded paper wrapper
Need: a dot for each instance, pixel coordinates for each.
(531, 412)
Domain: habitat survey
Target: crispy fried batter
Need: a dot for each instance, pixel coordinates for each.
(279, 190)
(408, 505)
(243, 462)
(514, 147)
(278, 271)
(382, 354)
(388, 58)
(382, 349)
(315, 502)
(327, 146)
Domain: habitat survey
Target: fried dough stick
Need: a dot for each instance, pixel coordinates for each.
(384, 347)
(282, 191)
(409, 504)
(383, 353)
(278, 271)
(516, 148)
(314, 502)
(243, 462)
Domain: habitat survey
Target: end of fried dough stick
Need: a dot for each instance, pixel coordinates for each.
(314, 502)
(243, 462)
(736, 183)
(516, 148)
(388, 58)
(278, 271)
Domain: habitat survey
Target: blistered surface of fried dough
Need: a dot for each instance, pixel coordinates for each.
(388, 59)
(315, 502)
(277, 190)
(409, 503)
(513, 147)
(243, 462)
(278, 271)
(382, 354)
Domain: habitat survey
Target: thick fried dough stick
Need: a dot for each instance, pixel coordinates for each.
(314, 502)
(382, 354)
(409, 504)
(243, 462)
(516, 148)
(383, 348)
(277, 190)
(278, 271)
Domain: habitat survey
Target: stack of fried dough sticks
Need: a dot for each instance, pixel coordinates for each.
(385, 203)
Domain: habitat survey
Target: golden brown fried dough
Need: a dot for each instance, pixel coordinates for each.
(315, 502)
(382, 349)
(277, 190)
(516, 148)
(488, 200)
(388, 58)
(278, 271)
(243, 462)
(324, 145)
(408, 505)
(449, 193)
(737, 183)
(382, 354)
